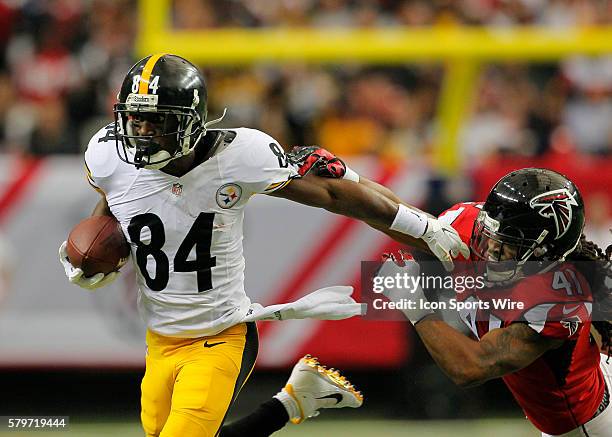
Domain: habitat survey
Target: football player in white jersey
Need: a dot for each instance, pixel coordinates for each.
(179, 190)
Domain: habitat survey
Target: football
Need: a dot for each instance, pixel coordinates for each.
(97, 245)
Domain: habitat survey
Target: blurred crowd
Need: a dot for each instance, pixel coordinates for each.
(63, 61)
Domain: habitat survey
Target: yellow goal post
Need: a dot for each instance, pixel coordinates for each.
(461, 49)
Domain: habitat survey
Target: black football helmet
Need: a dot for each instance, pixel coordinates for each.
(530, 214)
(169, 93)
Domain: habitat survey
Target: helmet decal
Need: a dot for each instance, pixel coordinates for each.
(140, 101)
(556, 204)
(145, 77)
(196, 99)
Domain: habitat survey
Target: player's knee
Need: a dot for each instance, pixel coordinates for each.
(152, 425)
(153, 416)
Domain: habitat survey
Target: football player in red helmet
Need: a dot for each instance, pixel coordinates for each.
(526, 239)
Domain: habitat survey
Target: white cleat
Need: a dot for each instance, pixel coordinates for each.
(313, 387)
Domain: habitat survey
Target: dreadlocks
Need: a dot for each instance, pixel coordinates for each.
(598, 272)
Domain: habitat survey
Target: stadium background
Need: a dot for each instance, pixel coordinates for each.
(435, 99)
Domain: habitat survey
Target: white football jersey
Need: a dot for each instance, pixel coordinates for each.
(186, 232)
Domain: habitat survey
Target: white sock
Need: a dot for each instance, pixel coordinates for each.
(290, 404)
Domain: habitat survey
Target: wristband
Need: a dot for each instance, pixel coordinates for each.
(409, 221)
(418, 314)
(350, 174)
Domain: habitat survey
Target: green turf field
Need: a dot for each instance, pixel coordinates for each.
(329, 428)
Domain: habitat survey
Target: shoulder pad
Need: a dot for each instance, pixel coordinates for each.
(250, 148)
(101, 157)
(543, 299)
(256, 161)
(461, 217)
(221, 141)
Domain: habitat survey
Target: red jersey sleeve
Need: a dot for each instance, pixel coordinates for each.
(558, 303)
(561, 321)
(462, 217)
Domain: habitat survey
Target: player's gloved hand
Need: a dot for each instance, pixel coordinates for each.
(404, 265)
(75, 275)
(317, 160)
(444, 242)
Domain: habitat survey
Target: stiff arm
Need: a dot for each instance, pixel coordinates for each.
(367, 201)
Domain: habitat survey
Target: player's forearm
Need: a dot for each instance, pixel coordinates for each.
(406, 239)
(357, 201)
(381, 189)
(457, 355)
(380, 208)
(498, 353)
(341, 197)
(397, 236)
(363, 203)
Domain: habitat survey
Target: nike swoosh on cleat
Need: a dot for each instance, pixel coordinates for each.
(207, 344)
(337, 396)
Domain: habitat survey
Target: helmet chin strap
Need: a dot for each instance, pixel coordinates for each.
(186, 147)
(495, 278)
(501, 278)
(151, 162)
(162, 156)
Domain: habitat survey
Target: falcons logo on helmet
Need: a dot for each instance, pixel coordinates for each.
(557, 205)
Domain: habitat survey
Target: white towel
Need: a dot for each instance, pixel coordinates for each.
(330, 303)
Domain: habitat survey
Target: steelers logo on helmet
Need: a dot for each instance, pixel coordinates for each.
(161, 112)
(228, 195)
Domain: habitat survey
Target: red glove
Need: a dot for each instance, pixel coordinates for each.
(318, 160)
(399, 259)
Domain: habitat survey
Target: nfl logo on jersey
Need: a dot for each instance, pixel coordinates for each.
(177, 189)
